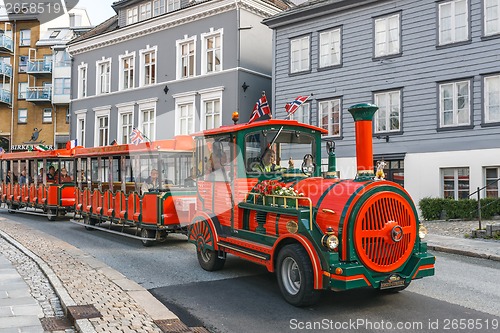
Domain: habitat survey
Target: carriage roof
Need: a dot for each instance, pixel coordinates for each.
(34, 155)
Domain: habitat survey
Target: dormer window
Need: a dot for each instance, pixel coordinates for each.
(132, 15)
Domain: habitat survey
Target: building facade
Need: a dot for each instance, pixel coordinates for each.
(35, 72)
(170, 67)
(433, 69)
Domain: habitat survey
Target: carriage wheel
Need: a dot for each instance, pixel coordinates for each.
(88, 221)
(295, 276)
(146, 233)
(52, 214)
(207, 256)
(11, 208)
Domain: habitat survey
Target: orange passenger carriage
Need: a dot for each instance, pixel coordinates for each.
(35, 181)
(264, 198)
(144, 191)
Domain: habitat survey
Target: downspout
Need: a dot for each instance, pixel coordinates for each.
(13, 82)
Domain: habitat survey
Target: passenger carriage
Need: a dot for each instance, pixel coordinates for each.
(32, 182)
(114, 191)
(314, 230)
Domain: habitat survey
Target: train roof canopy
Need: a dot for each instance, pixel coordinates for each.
(33, 155)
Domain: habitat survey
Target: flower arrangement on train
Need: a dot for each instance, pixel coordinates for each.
(274, 187)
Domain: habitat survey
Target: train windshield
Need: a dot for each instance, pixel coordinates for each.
(269, 150)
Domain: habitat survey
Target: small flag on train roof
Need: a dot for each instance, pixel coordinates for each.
(294, 106)
(136, 136)
(40, 148)
(260, 109)
(71, 144)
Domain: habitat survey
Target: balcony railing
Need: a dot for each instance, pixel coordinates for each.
(6, 43)
(39, 67)
(38, 94)
(5, 96)
(5, 69)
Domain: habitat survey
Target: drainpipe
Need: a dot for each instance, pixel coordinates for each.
(13, 82)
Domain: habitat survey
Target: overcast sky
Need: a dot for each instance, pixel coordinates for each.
(98, 10)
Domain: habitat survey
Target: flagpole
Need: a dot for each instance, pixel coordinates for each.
(290, 114)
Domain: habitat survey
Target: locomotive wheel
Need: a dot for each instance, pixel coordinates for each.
(51, 214)
(295, 276)
(146, 233)
(208, 258)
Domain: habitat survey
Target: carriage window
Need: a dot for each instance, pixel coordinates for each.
(216, 158)
(65, 173)
(104, 174)
(94, 166)
(52, 171)
(116, 169)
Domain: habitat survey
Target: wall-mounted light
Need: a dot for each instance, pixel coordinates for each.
(385, 137)
(245, 86)
(165, 90)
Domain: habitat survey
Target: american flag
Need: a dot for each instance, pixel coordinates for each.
(294, 106)
(136, 136)
(261, 108)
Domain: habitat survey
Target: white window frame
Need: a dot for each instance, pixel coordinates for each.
(22, 90)
(491, 93)
(300, 54)
(144, 70)
(158, 7)
(491, 12)
(83, 76)
(387, 101)
(81, 119)
(45, 118)
(173, 5)
(132, 15)
(494, 186)
(125, 109)
(184, 100)
(330, 48)
(182, 58)
(22, 119)
(453, 22)
(103, 111)
(124, 71)
(148, 105)
(456, 187)
(23, 39)
(330, 105)
(455, 109)
(145, 11)
(208, 96)
(384, 44)
(65, 87)
(303, 113)
(205, 51)
(101, 75)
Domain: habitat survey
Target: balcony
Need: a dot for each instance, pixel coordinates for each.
(39, 94)
(39, 67)
(5, 69)
(5, 96)
(6, 43)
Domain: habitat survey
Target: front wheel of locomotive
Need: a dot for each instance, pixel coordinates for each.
(146, 233)
(207, 257)
(295, 276)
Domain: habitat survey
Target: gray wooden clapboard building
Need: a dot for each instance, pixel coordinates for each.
(433, 68)
(170, 67)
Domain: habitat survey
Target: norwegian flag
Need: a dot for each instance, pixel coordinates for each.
(136, 136)
(294, 106)
(261, 108)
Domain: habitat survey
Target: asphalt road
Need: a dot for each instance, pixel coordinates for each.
(243, 297)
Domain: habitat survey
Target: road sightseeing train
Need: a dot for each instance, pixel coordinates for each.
(256, 191)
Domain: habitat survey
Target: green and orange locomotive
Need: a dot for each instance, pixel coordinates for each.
(316, 231)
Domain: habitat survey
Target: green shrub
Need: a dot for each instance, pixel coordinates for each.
(438, 208)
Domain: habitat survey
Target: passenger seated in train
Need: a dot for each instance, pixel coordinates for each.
(152, 182)
(51, 175)
(65, 178)
(191, 180)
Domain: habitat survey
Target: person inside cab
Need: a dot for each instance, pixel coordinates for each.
(152, 182)
(268, 162)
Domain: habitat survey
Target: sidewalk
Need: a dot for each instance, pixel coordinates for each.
(97, 298)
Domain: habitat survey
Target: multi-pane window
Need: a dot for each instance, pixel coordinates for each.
(388, 115)
(145, 11)
(173, 5)
(453, 21)
(187, 58)
(82, 81)
(102, 125)
(303, 114)
(132, 15)
(186, 118)
(127, 63)
(387, 36)
(212, 51)
(329, 112)
(23, 64)
(62, 86)
(455, 183)
(104, 77)
(80, 129)
(62, 59)
(47, 115)
(21, 93)
(299, 54)
(22, 116)
(147, 123)
(25, 37)
(329, 48)
(158, 7)
(492, 182)
(492, 99)
(454, 104)
(491, 17)
(148, 61)
(126, 124)
(212, 110)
